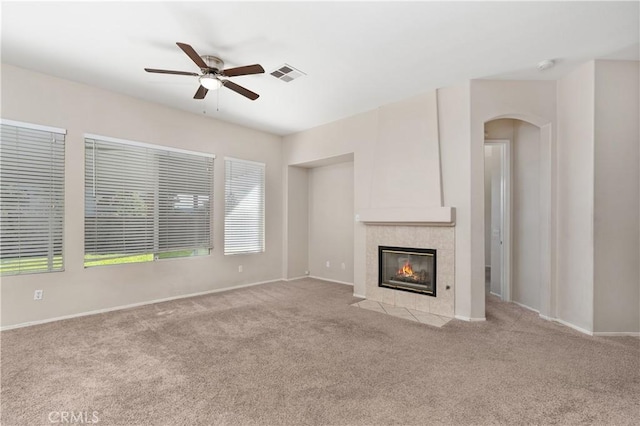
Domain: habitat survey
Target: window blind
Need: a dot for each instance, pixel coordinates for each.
(244, 206)
(31, 198)
(144, 202)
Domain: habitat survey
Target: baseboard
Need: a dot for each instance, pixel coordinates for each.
(132, 305)
(469, 319)
(496, 295)
(616, 333)
(592, 333)
(544, 317)
(359, 296)
(529, 308)
(575, 327)
(296, 278)
(332, 281)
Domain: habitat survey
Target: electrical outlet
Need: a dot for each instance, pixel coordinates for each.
(240, 268)
(306, 272)
(344, 266)
(37, 295)
(328, 264)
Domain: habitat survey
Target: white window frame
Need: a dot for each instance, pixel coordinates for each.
(163, 224)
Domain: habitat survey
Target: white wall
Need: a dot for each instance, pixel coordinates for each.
(525, 207)
(489, 167)
(497, 171)
(575, 197)
(379, 141)
(617, 274)
(331, 222)
(406, 164)
(454, 106)
(41, 99)
(526, 250)
(298, 222)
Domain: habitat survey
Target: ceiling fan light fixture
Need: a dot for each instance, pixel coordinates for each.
(210, 82)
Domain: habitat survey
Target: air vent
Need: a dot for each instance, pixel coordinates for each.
(287, 73)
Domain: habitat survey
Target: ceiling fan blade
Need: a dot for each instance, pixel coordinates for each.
(171, 72)
(193, 55)
(201, 93)
(246, 70)
(241, 90)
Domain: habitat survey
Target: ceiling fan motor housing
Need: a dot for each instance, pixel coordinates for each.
(213, 62)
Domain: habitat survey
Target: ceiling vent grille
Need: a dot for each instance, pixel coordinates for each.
(287, 73)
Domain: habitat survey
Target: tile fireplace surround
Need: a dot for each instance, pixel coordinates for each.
(440, 238)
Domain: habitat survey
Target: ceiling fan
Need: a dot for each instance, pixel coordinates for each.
(211, 68)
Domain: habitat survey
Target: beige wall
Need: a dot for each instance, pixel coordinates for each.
(454, 107)
(576, 197)
(331, 222)
(379, 141)
(616, 232)
(297, 247)
(37, 98)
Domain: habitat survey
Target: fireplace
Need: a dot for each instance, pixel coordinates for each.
(407, 269)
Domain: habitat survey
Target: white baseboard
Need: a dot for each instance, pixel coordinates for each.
(566, 324)
(544, 317)
(575, 327)
(359, 295)
(496, 295)
(332, 281)
(132, 305)
(529, 308)
(592, 333)
(616, 333)
(295, 278)
(469, 319)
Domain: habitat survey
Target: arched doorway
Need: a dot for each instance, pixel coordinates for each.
(523, 237)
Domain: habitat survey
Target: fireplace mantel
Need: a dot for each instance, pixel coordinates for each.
(431, 216)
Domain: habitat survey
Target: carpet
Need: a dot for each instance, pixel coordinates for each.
(296, 353)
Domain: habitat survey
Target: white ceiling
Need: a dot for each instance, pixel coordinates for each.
(357, 55)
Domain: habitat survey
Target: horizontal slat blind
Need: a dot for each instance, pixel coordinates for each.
(145, 201)
(185, 189)
(244, 206)
(31, 200)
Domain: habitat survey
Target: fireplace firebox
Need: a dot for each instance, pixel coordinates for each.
(407, 269)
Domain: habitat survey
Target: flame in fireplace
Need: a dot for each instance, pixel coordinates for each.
(406, 270)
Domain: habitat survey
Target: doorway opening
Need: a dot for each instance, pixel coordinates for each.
(517, 213)
(497, 157)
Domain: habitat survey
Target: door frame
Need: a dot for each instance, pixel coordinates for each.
(505, 211)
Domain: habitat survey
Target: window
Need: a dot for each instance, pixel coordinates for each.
(31, 198)
(243, 206)
(145, 202)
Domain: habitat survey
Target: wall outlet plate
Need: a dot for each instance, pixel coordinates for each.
(38, 294)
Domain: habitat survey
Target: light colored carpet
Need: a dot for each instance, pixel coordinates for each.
(297, 354)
